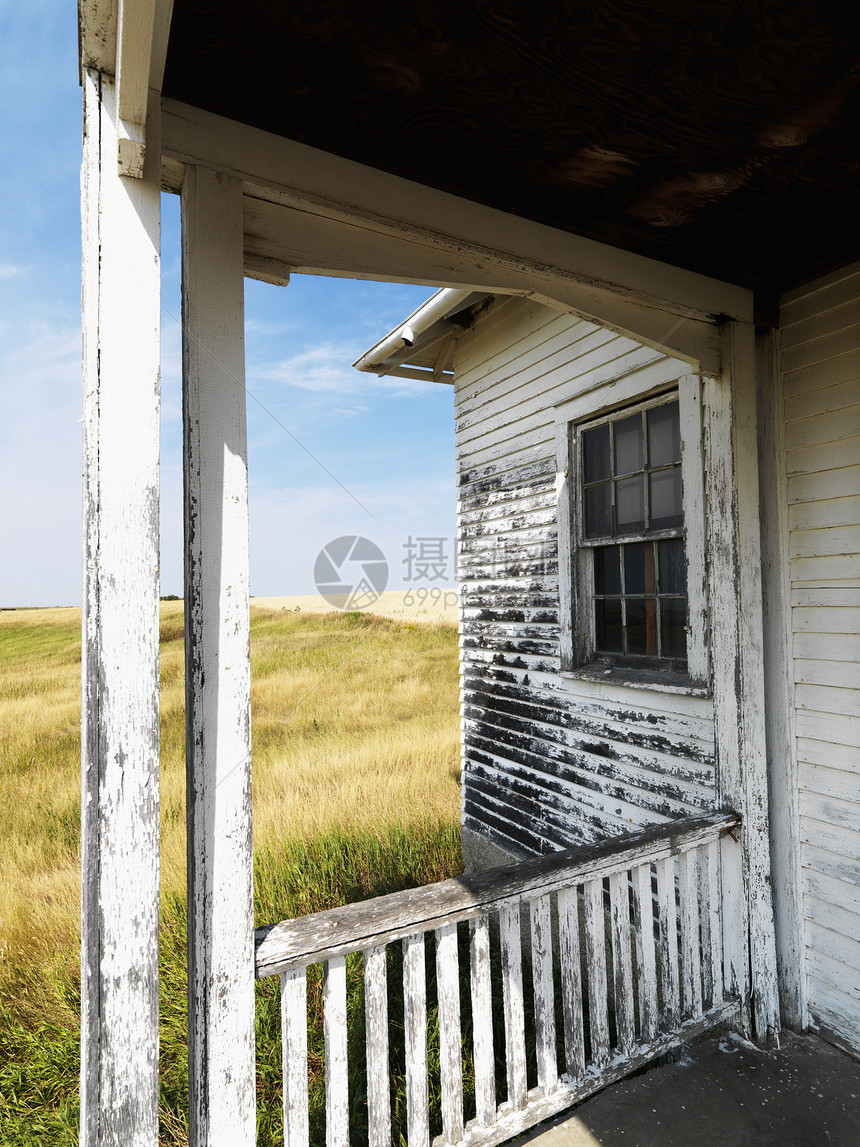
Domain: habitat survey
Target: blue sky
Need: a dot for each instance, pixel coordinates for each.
(389, 441)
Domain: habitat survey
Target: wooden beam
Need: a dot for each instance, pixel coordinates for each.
(160, 36)
(97, 22)
(659, 304)
(738, 664)
(135, 27)
(120, 867)
(217, 667)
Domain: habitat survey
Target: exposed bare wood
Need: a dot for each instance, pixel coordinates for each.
(622, 963)
(571, 981)
(643, 919)
(691, 960)
(668, 945)
(715, 924)
(595, 948)
(739, 666)
(703, 899)
(119, 856)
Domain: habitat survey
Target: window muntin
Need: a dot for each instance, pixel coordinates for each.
(631, 474)
(632, 523)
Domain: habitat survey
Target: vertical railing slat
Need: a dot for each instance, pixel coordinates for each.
(415, 1023)
(334, 1033)
(450, 1056)
(571, 981)
(595, 949)
(376, 1028)
(294, 1055)
(622, 963)
(512, 989)
(622, 960)
(482, 1021)
(715, 929)
(643, 910)
(703, 900)
(544, 997)
(668, 941)
(691, 961)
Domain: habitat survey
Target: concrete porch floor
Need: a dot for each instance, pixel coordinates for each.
(725, 1092)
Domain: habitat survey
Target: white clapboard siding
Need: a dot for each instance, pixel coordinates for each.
(821, 395)
(548, 761)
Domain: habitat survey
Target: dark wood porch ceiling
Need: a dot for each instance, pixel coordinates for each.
(717, 135)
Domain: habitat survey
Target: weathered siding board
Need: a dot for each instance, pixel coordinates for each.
(547, 760)
(821, 401)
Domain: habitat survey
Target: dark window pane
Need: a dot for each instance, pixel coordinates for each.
(595, 451)
(664, 435)
(666, 499)
(673, 618)
(641, 629)
(607, 615)
(635, 630)
(673, 568)
(607, 569)
(628, 445)
(638, 565)
(598, 511)
(629, 506)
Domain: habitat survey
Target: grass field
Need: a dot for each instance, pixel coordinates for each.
(356, 770)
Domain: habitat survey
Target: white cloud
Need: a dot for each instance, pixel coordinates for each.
(8, 271)
(325, 369)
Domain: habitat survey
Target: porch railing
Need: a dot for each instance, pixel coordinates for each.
(628, 932)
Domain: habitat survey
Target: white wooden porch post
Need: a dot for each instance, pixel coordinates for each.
(119, 838)
(218, 724)
(738, 653)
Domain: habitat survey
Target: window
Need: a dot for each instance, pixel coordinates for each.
(632, 531)
(632, 520)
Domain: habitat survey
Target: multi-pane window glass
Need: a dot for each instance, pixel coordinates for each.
(632, 519)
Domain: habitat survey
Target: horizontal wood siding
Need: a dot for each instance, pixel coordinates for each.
(821, 383)
(548, 761)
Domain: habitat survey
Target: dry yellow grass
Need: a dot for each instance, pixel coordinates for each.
(355, 723)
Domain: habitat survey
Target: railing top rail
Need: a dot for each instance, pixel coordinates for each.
(370, 923)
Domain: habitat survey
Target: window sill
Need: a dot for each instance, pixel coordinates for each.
(638, 679)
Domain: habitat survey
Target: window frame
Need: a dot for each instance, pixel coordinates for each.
(668, 380)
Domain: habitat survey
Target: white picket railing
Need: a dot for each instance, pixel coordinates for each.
(653, 973)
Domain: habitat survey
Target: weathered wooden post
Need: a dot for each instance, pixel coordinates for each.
(119, 898)
(218, 728)
(738, 654)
